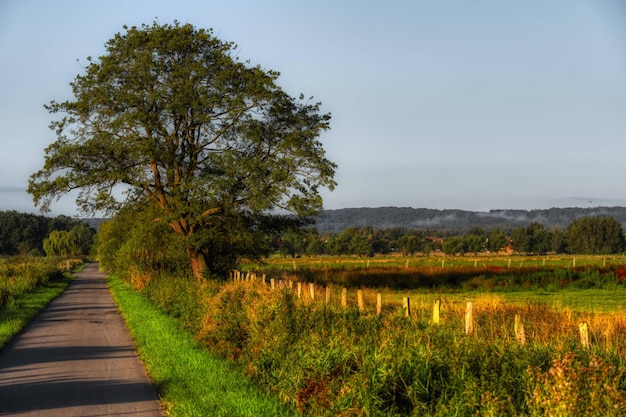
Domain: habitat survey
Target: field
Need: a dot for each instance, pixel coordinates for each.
(328, 356)
(26, 286)
(514, 336)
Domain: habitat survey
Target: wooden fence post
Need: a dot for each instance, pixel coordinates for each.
(584, 334)
(272, 282)
(469, 318)
(299, 290)
(327, 295)
(436, 309)
(344, 297)
(379, 303)
(312, 291)
(360, 301)
(520, 333)
(406, 304)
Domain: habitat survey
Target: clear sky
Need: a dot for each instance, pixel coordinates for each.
(476, 105)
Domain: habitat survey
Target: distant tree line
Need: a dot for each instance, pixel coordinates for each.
(588, 235)
(31, 234)
(457, 222)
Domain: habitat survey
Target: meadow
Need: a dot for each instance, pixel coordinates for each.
(26, 286)
(326, 357)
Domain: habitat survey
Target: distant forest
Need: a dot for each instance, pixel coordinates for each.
(458, 222)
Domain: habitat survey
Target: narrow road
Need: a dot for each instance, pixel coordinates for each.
(76, 359)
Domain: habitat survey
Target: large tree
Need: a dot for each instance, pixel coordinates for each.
(172, 117)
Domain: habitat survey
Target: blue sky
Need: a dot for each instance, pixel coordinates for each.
(476, 105)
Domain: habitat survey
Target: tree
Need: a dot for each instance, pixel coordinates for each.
(169, 115)
(496, 240)
(75, 242)
(595, 235)
(475, 240)
(411, 243)
(454, 246)
(520, 240)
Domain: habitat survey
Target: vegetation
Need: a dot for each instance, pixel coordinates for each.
(26, 287)
(24, 233)
(458, 222)
(73, 243)
(190, 381)
(324, 359)
(210, 143)
(588, 235)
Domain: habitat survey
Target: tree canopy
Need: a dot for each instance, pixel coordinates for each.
(171, 118)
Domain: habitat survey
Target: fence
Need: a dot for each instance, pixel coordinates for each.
(468, 317)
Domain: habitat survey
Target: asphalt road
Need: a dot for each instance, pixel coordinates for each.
(76, 359)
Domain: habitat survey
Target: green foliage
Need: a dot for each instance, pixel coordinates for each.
(325, 360)
(190, 380)
(137, 248)
(75, 242)
(19, 276)
(24, 233)
(595, 235)
(214, 144)
(577, 385)
(26, 286)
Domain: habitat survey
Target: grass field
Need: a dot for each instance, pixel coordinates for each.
(513, 261)
(324, 359)
(26, 288)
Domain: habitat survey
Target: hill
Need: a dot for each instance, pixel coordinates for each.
(457, 221)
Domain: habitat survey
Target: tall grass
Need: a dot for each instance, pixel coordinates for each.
(27, 285)
(190, 381)
(323, 359)
(330, 361)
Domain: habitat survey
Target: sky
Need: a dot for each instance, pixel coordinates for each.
(446, 104)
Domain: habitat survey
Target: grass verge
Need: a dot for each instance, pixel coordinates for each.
(189, 380)
(17, 314)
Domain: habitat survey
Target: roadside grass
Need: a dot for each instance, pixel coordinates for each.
(18, 313)
(190, 380)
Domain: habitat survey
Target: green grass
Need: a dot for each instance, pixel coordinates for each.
(508, 261)
(190, 380)
(597, 300)
(18, 313)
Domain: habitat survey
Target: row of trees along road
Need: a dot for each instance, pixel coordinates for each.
(192, 139)
(589, 235)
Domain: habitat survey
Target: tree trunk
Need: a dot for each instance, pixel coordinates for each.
(198, 263)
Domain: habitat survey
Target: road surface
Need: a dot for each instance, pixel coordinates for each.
(76, 359)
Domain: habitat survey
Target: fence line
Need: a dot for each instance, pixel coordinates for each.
(468, 317)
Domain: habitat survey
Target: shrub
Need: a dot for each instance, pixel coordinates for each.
(576, 385)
